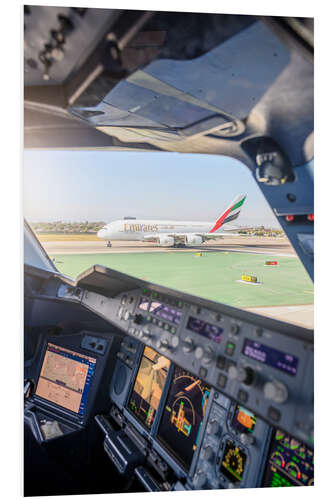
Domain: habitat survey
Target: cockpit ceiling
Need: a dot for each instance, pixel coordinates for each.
(244, 81)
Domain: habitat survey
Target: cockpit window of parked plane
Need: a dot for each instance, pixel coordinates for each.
(195, 223)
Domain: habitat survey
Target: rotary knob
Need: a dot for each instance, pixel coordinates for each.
(276, 391)
(199, 352)
(243, 374)
(146, 333)
(207, 453)
(188, 345)
(213, 427)
(200, 479)
(208, 355)
(174, 342)
(162, 344)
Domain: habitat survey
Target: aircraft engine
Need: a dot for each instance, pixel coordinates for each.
(193, 239)
(166, 241)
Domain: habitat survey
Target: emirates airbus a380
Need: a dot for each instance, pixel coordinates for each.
(169, 233)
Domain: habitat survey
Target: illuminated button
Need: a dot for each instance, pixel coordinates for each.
(203, 372)
(276, 391)
(180, 303)
(188, 345)
(148, 318)
(273, 414)
(229, 349)
(166, 326)
(222, 380)
(173, 329)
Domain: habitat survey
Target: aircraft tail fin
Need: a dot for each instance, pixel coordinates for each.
(231, 213)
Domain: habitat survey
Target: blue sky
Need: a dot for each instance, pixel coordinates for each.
(108, 185)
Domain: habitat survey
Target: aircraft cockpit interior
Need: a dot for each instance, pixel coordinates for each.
(129, 385)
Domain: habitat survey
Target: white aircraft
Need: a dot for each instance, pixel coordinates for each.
(169, 233)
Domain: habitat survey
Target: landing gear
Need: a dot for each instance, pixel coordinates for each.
(109, 245)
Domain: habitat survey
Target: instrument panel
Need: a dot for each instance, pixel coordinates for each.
(205, 391)
(265, 365)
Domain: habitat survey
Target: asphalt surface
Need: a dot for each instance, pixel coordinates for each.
(273, 246)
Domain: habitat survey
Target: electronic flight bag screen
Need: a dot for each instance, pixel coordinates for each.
(65, 378)
(182, 416)
(148, 386)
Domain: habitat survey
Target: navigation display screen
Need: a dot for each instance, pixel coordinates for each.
(269, 356)
(205, 329)
(148, 386)
(182, 416)
(233, 462)
(65, 378)
(290, 462)
(165, 312)
(243, 420)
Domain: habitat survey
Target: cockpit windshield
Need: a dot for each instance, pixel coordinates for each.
(195, 223)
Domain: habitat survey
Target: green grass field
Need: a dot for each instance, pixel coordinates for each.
(213, 276)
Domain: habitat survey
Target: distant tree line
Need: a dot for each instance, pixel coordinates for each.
(61, 227)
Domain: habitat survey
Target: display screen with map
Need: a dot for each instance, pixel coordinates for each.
(182, 417)
(65, 378)
(148, 386)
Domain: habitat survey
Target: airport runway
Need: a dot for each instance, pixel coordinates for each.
(271, 246)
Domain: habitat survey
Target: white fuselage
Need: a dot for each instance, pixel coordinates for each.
(141, 229)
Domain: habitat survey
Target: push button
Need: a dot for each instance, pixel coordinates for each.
(222, 380)
(242, 396)
(274, 414)
(229, 349)
(203, 372)
(221, 362)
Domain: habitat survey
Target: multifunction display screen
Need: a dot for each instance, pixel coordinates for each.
(282, 361)
(205, 329)
(243, 420)
(290, 462)
(166, 312)
(148, 386)
(182, 417)
(65, 378)
(233, 462)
